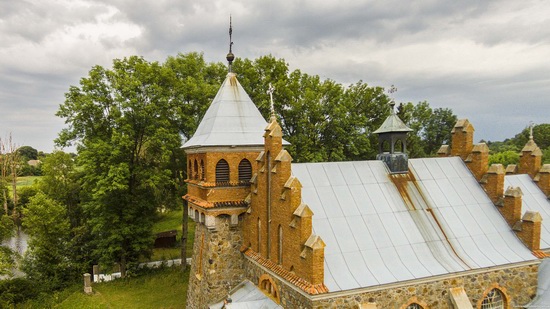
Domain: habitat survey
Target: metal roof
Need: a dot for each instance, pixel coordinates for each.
(231, 120)
(393, 124)
(247, 296)
(533, 199)
(373, 237)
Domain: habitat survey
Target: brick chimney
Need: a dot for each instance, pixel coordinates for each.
(529, 229)
(478, 160)
(444, 151)
(462, 139)
(493, 182)
(511, 208)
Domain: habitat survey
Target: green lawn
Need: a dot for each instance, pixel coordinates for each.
(165, 288)
(172, 221)
(23, 181)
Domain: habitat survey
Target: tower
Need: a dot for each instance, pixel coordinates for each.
(220, 158)
(392, 143)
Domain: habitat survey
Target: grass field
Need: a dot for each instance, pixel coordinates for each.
(24, 181)
(172, 221)
(162, 288)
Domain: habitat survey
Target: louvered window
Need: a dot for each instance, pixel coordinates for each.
(222, 171)
(493, 300)
(245, 171)
(202, 171)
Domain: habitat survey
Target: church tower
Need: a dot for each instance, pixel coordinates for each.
(220, 158)
(392, 141)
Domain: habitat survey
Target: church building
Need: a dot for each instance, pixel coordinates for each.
(444, 232)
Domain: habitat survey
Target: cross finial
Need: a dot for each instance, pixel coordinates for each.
(230, 57)
(270, 91)
(531, 124)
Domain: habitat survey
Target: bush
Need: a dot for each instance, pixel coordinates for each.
(16, 291)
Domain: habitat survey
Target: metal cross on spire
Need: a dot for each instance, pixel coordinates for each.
(391, 91)
(531, 124)
(230, 57)
(270, 91)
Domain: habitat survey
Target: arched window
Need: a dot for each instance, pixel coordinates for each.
(493, 300)
(280, 255)
(398, 146)
(203, 172)
(245, 171)
(222, 171)
(195, 170)
(385, 147)
(268, 286)
(414, 306)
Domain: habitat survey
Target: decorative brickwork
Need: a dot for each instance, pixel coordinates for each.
(478, 160)
(530, 159)
(529, 230)
(493, 182)
(511, 208)
(462, 139)
(279, 227)
(543, 179)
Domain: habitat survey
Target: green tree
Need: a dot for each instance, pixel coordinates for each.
(431, 127)
(541, 135)
(6, 254)
(28, 153)
(122, 121)
(505, 158)
(46, 259)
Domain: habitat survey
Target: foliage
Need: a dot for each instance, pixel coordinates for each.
(16, 291)
(505, 158)
(28, 153)
(541, 136)
(6, 254)
(122, 121)
(47, 258)
(431, 127)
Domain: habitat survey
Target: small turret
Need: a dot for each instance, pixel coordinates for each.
(392, 141)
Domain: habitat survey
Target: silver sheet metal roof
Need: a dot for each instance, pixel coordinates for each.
(247, 296)
(533, 199)
(373, 237)
(231, 119)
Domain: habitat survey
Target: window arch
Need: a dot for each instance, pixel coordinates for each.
(203, 172)
(195, 170)
(414, 306)
(222, 171)
(494, 299)
(398, 146)
(414, 303)
(245, 170)
(268, 286)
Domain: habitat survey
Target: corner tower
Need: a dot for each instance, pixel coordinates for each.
(220, 158)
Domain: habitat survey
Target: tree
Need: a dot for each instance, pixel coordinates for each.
(28, 153)
(46, 259)
(122, 121)
(431, 127)
(6, 254)
(505, 158)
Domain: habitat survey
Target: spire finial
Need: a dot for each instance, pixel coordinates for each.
(391, 91)
(270, 91)
(230, 57)
(531, 124)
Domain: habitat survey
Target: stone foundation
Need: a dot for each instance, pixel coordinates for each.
(518, 283)
(217, 265)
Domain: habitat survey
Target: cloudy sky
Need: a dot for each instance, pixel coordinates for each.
(488, 61)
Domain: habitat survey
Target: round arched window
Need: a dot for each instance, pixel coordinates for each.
(493, 300)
